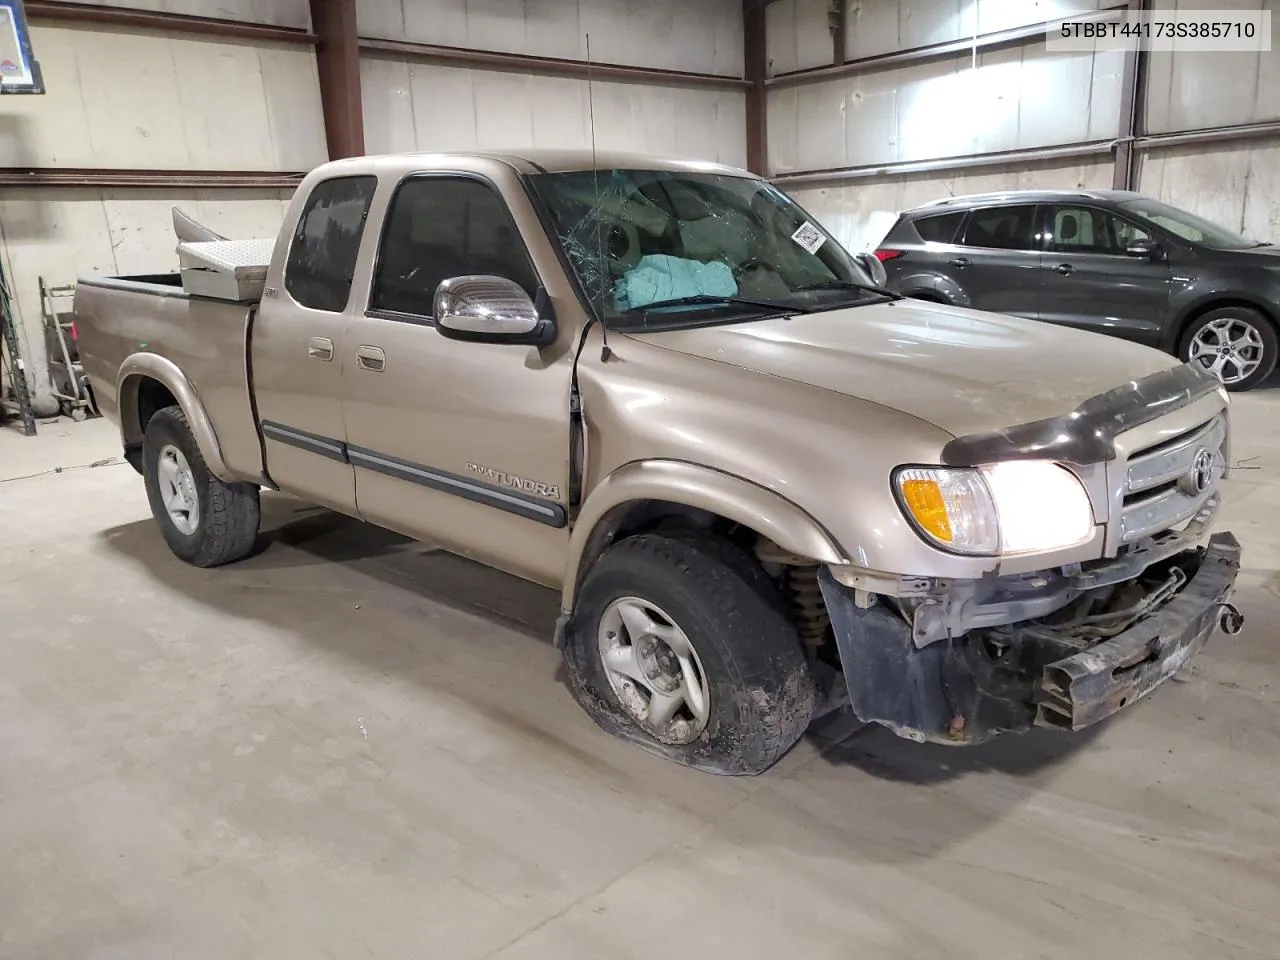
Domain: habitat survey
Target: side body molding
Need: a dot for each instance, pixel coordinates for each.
(675, 481)
(150, 365)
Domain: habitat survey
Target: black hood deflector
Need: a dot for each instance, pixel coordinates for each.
(1087, 434)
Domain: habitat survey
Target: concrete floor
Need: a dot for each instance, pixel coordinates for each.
(351, 746)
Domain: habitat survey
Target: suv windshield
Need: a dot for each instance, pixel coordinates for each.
(670, 247)
(1187, 225)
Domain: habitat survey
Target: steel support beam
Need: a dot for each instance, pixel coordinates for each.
(756, 63)
(1269, 129)
(546, 66)
(86, 177)
(838, 19)
(1132, 94)
(1019, 36)
(808, 178)
(95, 15)
(338, 64)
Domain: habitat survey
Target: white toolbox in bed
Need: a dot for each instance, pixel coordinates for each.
(225, 269)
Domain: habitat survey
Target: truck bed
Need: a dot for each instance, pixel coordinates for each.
(123, 323)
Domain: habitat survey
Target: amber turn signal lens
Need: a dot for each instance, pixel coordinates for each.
(924, 499)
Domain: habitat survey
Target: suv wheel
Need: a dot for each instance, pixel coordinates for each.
(681, 645)
(1236, 344)
(205, 522)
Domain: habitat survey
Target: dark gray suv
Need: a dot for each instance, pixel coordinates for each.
(1106, 260)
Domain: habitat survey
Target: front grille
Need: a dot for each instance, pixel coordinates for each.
(1169, 482)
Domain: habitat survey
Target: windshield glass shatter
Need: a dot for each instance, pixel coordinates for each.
(672, 247)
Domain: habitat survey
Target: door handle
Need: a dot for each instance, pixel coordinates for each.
(1065, 268)
(320, 348)
(371, 359)
(959, 261)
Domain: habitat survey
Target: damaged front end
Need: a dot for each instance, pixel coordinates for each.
(1064, 648)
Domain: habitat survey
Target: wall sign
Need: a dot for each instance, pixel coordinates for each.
(19, 70)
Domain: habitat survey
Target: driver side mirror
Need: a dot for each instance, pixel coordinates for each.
(490, 310)
(873, 267)
(1145, 249)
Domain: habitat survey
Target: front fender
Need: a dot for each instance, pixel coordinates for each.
(686, 484)
(140, 366)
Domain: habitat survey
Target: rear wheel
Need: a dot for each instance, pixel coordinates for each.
(1235, 344)
(680, 645)
(205, 522)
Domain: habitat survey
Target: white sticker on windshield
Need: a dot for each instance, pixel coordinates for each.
(809, 237)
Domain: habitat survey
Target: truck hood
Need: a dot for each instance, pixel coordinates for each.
(964, 371)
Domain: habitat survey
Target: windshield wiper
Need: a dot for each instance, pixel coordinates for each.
(709, 299)
(848, 285)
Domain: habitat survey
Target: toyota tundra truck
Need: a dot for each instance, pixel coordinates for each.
(764, 486)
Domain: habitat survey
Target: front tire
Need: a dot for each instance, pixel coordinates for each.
(205, 522)
(681, 646)
(1237, 344)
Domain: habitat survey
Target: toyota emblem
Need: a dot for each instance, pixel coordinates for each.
(1201, 475)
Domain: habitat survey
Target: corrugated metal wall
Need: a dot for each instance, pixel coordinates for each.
(1003, 100)
(416, 106)
(1013, 98)
(149, 100)
(278, 13)
(702, 36)
(422, 106)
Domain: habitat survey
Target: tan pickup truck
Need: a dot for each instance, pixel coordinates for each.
(764, 486)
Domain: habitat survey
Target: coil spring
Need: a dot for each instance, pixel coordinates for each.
(808, 609)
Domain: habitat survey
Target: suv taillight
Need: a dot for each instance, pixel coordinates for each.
(882, 255)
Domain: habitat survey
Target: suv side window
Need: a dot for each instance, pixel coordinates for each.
(939, 228)
(1002, 228)
(1089, 230)
(442, 227)
(322, 254)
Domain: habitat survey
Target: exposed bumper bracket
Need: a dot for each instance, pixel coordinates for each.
(1082, 689)
(963, 691)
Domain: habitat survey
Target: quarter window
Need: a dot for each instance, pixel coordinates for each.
(1002, 228)
(940, 228)
(442, 227)
(322, 254)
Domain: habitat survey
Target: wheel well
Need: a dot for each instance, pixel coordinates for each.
(153, 396)
(1196, 313)
(141, 398)
(795, 577)
(927, 297)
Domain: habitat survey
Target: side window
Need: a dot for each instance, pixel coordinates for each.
(1124, 232)
(322, 255)
(442, 227)
(1087, 230)
(1002, 228)
(940, 228)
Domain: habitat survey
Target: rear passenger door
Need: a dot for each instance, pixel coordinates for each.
(296, 355)
(1087, 279)
(997, 263)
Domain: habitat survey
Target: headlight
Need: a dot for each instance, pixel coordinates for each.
(1023, 506)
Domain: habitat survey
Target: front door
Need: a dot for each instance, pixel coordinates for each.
(1087, 280)
(296, 347)
(461, 444)
(997, 264)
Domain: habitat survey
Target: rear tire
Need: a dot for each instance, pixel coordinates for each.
(716, 631)
(1238, 344)
(205, 522)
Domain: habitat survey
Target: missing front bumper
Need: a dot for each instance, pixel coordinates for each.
(971, 689)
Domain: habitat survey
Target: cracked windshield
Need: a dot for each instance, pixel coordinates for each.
(662, 248)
